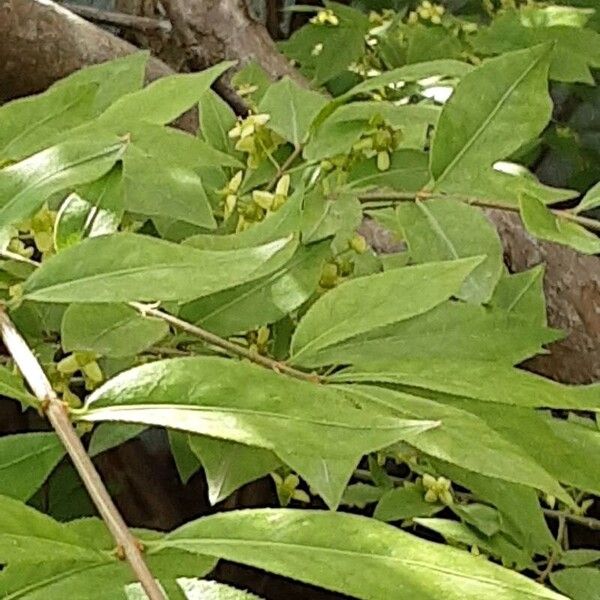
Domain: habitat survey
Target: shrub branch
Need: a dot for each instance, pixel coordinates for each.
(57, 413)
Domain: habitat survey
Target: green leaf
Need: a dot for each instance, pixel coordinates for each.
(435, 231)
(431, 43)
(26, 460)
(542, 223)
(29, 535)
(519, 506)
(405, 503)
(496, 545)
(580, 557)
(96, 210)
(361, 494)
(338, 132)
(262, 301)
(366, 559)
(451, 328)
(590, 200)
(124, 266)
(26, 185)
(484, 518)
(465, 441)
(512, 107)
(484, 381)
(198, 589)
(109, 329)
(292, 109)
(318, 432)
(574, 50)
(342, 44)
(216, 120)
(186, 461)
(110, 435)
(37, 122)
(229, 465)
(579, 584)
(277, 225)
(114, 78)
(163, 100)
(31, 124)
(11, 386)
(442, 68)
(324, 215)
(408, 172)
(356, 306)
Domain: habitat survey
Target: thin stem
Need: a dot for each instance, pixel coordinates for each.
(56, 412)
(229, 347)
(284, 167)
(556, 553)
(588, 522)
(586, 222)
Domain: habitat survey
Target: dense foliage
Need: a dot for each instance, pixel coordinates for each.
(142, 262)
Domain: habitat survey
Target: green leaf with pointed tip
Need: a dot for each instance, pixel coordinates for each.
(435, 231)
(318, 432)
(486, 381)
(580, 557)
(465, 440)
(561, 447)
(96, 210)
(580, 584)
(26, 185)
(26, 460)
(263, 301)
(457, 328)
(163, 100)
(365, 558)
(361, 305)
(114, 78)
(37, 122)
(542, 223)
(292, 109)
(590, 200)
(11, 386)
(109, 329)
(124, 267)
(497, 545)
(229, 465)
(31, 124)
(216, 120)
(186, 461)
(512, 107)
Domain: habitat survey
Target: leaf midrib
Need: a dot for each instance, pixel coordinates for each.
(486, 121)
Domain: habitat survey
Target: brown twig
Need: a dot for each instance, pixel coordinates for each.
(118, 19)
(56, 412)
(230, 347)
(586, 222)
(556, 553)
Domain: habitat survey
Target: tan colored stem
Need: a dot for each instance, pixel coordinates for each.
(230, 347)
(586, 222)
(56, 412)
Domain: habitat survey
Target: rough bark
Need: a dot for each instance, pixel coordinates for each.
(43, 42)
(40, 43)
(572, 286)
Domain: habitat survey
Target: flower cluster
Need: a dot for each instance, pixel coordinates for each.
(439, 489)
(427, 11)
(254, 139)
(325, 17)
